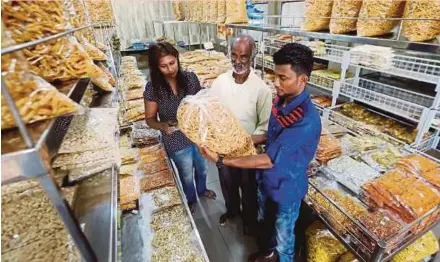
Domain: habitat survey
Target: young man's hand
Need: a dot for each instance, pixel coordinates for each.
(211, 156)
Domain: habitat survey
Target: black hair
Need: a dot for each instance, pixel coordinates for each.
(299, 56)
(157, 79)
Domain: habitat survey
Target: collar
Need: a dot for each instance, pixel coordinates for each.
(251, 74)
(292, 105)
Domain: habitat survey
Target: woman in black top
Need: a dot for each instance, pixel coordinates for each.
(169, 85)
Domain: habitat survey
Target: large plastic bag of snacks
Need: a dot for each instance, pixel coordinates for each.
(205, 11)
(236, 12)
(178, 10)
(421, 30)
(322, 246)
(100, 79)
(374, 17)
(35, 98)
(348, 9)
(101, 10)
(93, 51)
(32, 20)
(213, 10)
(221, 11)
(315, 11)
(60, 59)
(188, 10)
(206, 122)
(422, 248)
(111, 79)
(198, 12)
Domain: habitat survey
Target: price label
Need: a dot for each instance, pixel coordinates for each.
(208, 45)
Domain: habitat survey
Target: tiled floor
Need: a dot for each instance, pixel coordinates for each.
(222, 243)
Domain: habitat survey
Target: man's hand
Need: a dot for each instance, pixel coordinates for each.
(211, 156)
(258, 139)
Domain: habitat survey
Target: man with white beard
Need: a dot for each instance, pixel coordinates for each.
(250, 100)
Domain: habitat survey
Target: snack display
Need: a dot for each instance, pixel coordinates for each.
(213, 9)
(236, 12)
(322, 246)
(351, 173)
(221, 12)
(322, 101)
(129, 191)
(102, 10)
(317, 15)
(419, 28)
(155, 180)
(416, 164)
(328, 148)
(93, 51)
(325, 77)
(153, 167)
(177, 251)
(178, 10)
(134, 114)
(178, 232)
(422, 248)
(205, 121)
(134, 94)
(127, 170)
(372, 56)
(383, 160)
(371, 10)
(344, 16)
(144, 137)
(111, 79)
(165, 197)
(167, 217)
(127, 155)
(32, 20)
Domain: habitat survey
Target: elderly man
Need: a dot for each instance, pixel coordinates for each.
(292, 139)
(250, 100)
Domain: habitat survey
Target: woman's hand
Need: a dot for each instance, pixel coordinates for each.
(167, 129)
(211, 156)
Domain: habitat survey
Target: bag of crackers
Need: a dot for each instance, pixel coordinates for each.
(206, 122)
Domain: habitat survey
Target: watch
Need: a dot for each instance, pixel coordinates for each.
(219, 162)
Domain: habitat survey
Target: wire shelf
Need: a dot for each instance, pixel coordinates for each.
(333, 53)
(426, 143)
(267, 64)
(386, 97)
(421, 69)
(322, 82)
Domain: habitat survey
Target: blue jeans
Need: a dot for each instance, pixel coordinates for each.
(278, 223)
(191, 166)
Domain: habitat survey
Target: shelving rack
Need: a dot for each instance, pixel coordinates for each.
(34, 161)
(416, 107)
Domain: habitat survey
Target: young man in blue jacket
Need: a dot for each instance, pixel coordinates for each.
(292, 139)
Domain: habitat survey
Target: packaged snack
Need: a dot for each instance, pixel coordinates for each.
(236, 12)
(344, 16)
(421, 30)
(102, 10)
(416, 164)
(322, 246)
(374, 16)
(422, 248)
(178, 10)
(213, 10)
(221, 11)
(317, 15)
(104, 69)
(153, 181)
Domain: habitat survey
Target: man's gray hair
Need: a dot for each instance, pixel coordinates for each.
(250, 40)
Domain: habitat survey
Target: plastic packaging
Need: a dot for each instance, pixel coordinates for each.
(221, 12)
(374, 16)
(314, 13)
(213, 10)
(165, 197)
(197, 10)
(152, 168)
(111, 79)
(416, 164)
(206, 122)
(93, 51)
(128, 189)
(328, 148)
(344, 14)
(167, 217)
(421, 30)
(135, 81)
(422, 248)
(157, 180)
(101, 10)
(134, 94)
(100, 79)
(144, 137)
(188, 10)
(78, 17)
(178, 10)
(236, 12)
(134, 114)
(322, 246)
(32, 20)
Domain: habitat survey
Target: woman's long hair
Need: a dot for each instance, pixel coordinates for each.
(158, 80)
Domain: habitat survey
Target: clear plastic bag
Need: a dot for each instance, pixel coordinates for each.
(213, 10)
(314, 13)
(422, 248)
(328, 148)
(197, 10)
(144, 137)
(322, 246)
(236, 12)
(32, 19)
(93, 51)
(206, 122)
(111, 79)
(101, 10)
(344, 14)
(77, 14)
(221, 11)
(421, 30)
(178, 10)
(100, 78)
(129, 190)
(374, 16)
(156, 180)
(188, 10)
(416, 164)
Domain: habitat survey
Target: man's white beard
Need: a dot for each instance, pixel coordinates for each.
(240, 72)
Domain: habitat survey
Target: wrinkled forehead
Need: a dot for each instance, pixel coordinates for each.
(241, 48)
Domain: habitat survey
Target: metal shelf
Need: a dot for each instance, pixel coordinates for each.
(416, 46)
(385, 97)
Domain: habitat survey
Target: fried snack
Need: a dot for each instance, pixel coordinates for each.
(127, 155)
(178, 10)
(134, 94)
(153, 167)
(371, 10)
(348, 9)
(177, 233)
(77, 13)
(221, 13)
(421, 30)
(322, 246)
(317, 15)
(167, 217)
(127, 170)
(100, 10)
(82, 157)
(101, 46)
(124, 140)
(152, 157)
(35, 99)
(150, 149)
(177, 251)
(100, 79)
(144, 137)
(433, 177)
(134, 114)
(111, 79)
(236, 12)
(93, 51)
(205, 121)
(134, 104)
(328, 148)
(212, 18)
(31, 20)
(135, 81)
(416, 164)
(60, 59)
(165, 197)
(153, 181)
(422, 248)
(129, 191)
(323, 101)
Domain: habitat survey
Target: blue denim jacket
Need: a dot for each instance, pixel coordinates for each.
(291, 149)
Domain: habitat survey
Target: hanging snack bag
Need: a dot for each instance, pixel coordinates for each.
(344, 14)
(100, 79)
(374, 17)
(221, 11)
(206, 122)
(421, 30)
(32, 20)
(236, 12)
(178, 10)
(93, 51)
(213, 10)
(111, 79)
(197, 15)
(317, 15)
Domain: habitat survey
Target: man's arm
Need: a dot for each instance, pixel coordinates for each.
(261, 161)
(264, 106)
